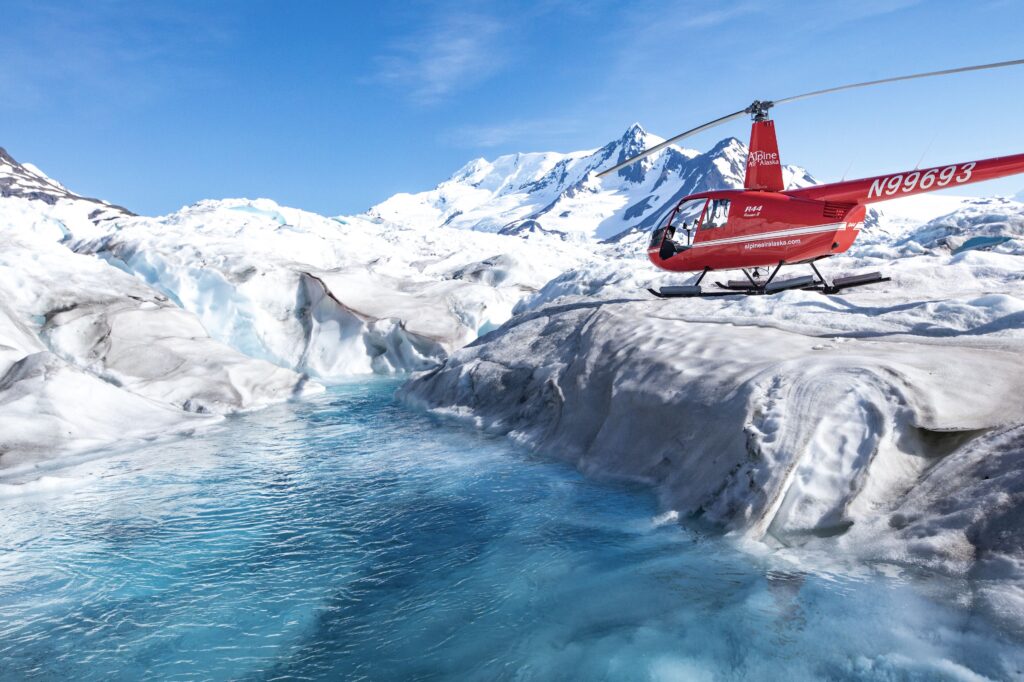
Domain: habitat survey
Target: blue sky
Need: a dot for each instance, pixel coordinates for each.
(333, 106)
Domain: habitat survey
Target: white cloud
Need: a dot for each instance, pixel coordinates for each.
(457, 51)
(714, 17)
(497, 134)
(105, 49)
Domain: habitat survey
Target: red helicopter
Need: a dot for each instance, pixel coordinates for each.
(764, 225)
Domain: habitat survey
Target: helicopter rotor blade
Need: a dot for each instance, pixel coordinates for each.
(658, 147)
(762, 107)
(944, 72)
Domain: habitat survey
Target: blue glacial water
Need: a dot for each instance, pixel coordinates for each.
(348, 538)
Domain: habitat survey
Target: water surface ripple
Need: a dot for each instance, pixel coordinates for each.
(348, 538)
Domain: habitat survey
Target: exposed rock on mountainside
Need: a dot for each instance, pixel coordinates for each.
(28, 182)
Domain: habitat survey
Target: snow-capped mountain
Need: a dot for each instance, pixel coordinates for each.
(28, 182)
(554, 192)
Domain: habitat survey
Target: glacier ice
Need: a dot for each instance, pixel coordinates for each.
(327, 297)
(90, 355)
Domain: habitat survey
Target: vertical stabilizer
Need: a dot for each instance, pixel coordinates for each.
(764, 167)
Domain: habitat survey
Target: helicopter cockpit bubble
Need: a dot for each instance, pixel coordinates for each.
(690, 214)
(687, 215)
(658, 236)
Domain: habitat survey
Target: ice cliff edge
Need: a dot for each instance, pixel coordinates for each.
(904, 448)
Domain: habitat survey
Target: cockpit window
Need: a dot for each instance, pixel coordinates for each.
(658, 236)
(688, 215)
(717, 214)
(685, 219)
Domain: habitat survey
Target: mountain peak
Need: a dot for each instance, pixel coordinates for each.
(26, 181)
(728, 142)
(635, 139)
(634, 130)
(473, 167)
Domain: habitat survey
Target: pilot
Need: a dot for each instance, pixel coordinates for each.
(668, 247)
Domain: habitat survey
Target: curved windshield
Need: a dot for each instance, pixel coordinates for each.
(685, 218)
(658, 236)
(689, 213)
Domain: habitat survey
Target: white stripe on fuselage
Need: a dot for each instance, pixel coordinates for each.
(813, 229)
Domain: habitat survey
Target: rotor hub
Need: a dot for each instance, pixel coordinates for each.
(759, 110)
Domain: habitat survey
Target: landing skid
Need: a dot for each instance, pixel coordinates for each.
(752, 287)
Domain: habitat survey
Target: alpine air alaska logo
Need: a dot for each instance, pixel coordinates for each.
(762, 158)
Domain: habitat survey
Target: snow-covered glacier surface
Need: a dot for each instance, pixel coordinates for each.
(330, 297)
(343, 537)
(89, 355)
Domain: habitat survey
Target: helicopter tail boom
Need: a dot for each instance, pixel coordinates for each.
(917, 181)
